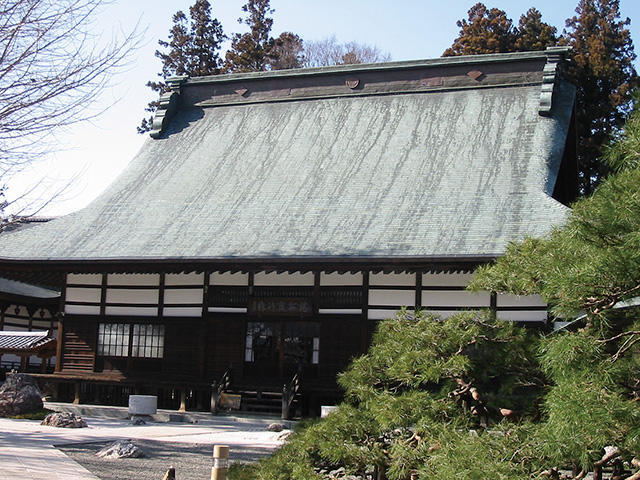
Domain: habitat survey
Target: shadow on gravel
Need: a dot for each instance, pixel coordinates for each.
(190, 460)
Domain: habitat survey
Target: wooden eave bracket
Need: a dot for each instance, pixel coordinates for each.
(550, 73)
(168, 106)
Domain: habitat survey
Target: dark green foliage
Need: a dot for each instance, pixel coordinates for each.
(192, 49)
(410, 398)
(602, 69)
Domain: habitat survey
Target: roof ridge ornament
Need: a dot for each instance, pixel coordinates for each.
(555, 57)
(167, 105)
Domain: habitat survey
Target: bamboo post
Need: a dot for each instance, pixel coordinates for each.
(220, 462)
(170, 475)
(183, 400)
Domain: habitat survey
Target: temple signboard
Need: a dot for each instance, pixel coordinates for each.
(296, 307)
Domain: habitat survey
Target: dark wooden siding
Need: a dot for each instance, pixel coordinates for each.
(182, 348)
(340, 342)
(225, 345)
(79, 345)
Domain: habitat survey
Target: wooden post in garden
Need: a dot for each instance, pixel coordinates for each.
(220, 462)
(170, 475)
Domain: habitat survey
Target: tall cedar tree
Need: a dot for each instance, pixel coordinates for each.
(602, 67)
(250, 51)
(191, 50)
(491, 31)
(286, 52)
(603, 71)
(485, 31)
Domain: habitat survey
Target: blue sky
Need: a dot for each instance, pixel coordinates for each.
(95, 152)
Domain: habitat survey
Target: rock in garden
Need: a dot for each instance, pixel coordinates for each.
(19, 394)
(64, 420)
(137, 421)
(121, 449)
(276, 427)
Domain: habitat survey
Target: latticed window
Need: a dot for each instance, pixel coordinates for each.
(143, 340)
(147, 341)
(113, 339)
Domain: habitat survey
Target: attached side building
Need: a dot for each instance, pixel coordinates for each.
(274, 217)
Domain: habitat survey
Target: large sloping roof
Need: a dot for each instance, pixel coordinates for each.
(448, 157)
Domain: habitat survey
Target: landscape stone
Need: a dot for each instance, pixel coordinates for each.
(121, 449)
(276, 427)
(19, 394)
(64, 420)
(137, 421)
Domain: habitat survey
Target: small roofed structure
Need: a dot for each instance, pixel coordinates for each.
(27, 344)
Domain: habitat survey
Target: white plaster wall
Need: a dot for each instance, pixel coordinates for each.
(392, 279)
(132, 296)
(183, 296)
(228, 278)
(134, 311)
(340, 279)
(182, 311)
(75, 294)
(522, 300)
(184, 279)
(137, 279)
(283, 279)
(455, 299)
(400, 298)
(82, 309)
(379, 314)
(84, 278)
(446, 279)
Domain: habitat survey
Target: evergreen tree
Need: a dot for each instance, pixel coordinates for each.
(602, 69)
(533, 33)
(286, 52)
(250, 52)
(192, 49)
(485, 31)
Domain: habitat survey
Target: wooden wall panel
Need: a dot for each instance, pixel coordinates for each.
(181, 348)
(225, 345)
(340, 342)
(79, 345)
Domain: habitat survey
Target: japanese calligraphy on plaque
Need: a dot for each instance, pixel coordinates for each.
(297, 307)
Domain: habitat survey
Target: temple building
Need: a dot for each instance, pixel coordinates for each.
(273, 218)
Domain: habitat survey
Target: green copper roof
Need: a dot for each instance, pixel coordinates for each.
(447, 169)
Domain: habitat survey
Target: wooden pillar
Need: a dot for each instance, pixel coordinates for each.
(59, 344)
(364, 323)
(183, 400)
(493, 305)
(76, 393)
(23, 363)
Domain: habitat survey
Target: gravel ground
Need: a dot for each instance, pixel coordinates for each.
(192, 461)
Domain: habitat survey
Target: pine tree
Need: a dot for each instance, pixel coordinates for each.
(485, 31)
(602, 69)
(192, 49)
(250, 52)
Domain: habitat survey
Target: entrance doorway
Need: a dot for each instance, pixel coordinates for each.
(278, 349)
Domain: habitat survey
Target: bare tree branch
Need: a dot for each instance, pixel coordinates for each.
(52, 66)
